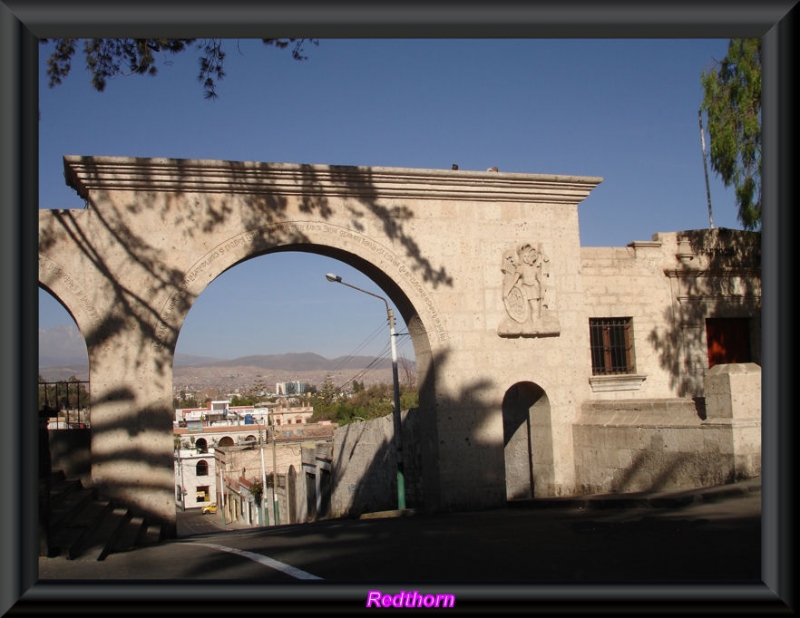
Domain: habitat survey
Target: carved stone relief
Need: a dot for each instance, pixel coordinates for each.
(528, 294)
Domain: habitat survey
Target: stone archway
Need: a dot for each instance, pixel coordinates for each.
(527, 442)
(156, 232)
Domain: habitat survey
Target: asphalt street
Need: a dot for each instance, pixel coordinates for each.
(709, 538)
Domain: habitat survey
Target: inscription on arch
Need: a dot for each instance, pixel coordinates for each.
(55, 270)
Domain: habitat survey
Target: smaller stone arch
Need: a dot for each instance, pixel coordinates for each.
(527, 442)
(202, 445)
(202, 468)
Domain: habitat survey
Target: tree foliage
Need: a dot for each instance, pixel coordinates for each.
(185, 401)
(362, 404)
(328, 393)
(257, 489)
(732, 102)
(245, 400)
(63, 395)
(109, 58)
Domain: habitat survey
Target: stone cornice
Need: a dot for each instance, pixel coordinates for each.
(88, 174)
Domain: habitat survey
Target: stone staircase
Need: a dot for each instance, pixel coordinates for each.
(82, 525)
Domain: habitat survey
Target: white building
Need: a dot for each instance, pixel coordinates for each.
(195, 478)
(290, 388)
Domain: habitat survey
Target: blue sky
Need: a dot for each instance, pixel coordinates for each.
(625, 110)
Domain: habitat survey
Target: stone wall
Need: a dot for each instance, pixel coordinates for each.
(486, 270)
(733, 404)
(645, 445)
(654, 445)
(669, 286)
(630, 282)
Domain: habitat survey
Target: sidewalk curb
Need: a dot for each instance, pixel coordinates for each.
(385, 514)
(671, 499)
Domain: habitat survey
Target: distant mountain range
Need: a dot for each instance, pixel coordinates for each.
(302, 362)
(62, 354)
(297, 361)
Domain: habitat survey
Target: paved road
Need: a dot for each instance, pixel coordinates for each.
(605, 546)
(706, 542)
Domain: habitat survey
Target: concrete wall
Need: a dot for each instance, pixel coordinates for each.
(364, 465)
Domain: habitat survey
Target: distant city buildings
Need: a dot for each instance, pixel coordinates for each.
(200, 431)
(195, 477)
(290, 388)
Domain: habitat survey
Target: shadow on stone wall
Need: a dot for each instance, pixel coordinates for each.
(720, 277)
(364, 470)
(265, 206)
(653, 471)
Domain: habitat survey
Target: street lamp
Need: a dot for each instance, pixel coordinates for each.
(398, 438)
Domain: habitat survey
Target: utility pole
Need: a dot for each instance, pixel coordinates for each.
(183, 487)
(398, 441)
(705, 168)
(222, 495)
(397, 438)
(264, 509)
(274, 477)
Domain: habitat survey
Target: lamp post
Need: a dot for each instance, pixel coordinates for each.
(398, 438)
(264, 508)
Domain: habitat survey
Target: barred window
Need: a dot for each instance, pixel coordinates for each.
(612, 345)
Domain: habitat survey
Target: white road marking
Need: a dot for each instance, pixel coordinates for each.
(267, 562)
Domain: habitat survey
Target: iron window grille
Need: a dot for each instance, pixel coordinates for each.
(612, 345)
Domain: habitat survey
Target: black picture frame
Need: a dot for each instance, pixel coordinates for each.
(23, 22)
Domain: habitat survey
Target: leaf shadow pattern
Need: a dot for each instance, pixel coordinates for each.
(364, 467)
(141, 213)
(720, 276)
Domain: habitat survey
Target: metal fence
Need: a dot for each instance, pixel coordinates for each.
(68, 400)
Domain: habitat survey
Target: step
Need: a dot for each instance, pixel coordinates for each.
(71, 523)
(148, 534)
(83, 526)
(61, 490)
(113, 541)
(68, 506)
(98, 531)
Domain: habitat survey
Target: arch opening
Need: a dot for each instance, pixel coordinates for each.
(64, 393)
(302, 289)
(147, 344)
(527, 442)
(273, 272)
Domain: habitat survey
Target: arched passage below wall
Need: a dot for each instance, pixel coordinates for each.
(184, 298)
(527, 442)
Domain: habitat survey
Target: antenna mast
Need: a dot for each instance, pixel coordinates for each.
(705, 169)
